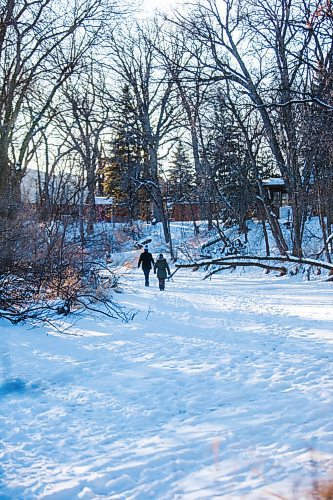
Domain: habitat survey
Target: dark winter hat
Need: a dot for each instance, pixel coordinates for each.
(146, 247)
(160, 256)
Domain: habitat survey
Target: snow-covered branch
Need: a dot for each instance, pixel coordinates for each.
(312, 100)
(253, 260)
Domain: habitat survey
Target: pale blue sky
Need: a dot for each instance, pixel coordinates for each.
(165, 5)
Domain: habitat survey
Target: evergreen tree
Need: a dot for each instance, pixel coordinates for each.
(230, 166)
(121, 172)
(181, 178)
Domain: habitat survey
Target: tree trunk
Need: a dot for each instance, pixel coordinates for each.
(90, 200)
(9, 204)
(10, 183)
(160, 212)
(266, 238)
(4, 172)
(324, 226)
(330, 214)
(274, 225)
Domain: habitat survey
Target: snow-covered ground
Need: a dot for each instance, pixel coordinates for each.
(216, 389)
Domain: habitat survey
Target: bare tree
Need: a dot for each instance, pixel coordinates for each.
(261, 48)
(181, 58)
(317, 119)
(252, 133)
(136, 63)
(83, 117)
(42, 43)
(58, 185)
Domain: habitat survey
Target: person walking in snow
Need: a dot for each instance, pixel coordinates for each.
(162, 268)
(146, 261)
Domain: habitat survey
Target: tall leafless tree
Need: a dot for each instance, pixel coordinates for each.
(42, 44)
(135, 61)
(180, 57)
(263, 48)
(83, 118)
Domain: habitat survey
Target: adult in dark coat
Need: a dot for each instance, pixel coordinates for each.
(146, 261)
(162, 268)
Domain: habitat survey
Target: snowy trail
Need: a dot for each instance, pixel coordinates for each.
(216, 390)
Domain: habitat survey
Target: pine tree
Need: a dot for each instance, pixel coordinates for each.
(181, 180)
(230, 165)
(121, 171)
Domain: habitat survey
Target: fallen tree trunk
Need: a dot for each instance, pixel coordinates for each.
(282, 270)
(250, 260)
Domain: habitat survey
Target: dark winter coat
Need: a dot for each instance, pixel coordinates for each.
(161, 266)
(146, 260)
